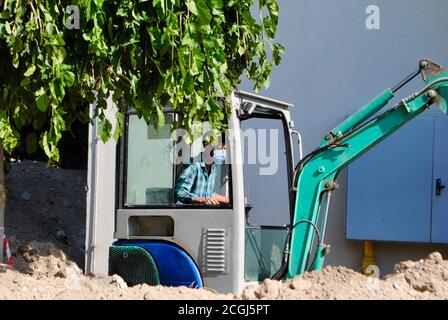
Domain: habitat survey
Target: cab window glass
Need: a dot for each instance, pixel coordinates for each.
(160, 171)
(149, 166)
(265, 183)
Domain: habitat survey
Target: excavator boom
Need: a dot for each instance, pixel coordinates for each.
(315, 175)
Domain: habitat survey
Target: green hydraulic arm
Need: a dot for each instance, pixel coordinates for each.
(315, 175)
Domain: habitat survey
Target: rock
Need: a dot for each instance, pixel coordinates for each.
(61, 274)
(398, 285)
(40, 259)
(25, 195)
(118, 282)
(404, 265)
(300, 284)
(423, 284)
(60, 235)
(269, 289)
(445, 275)
(75, 268)
(249, 293)
(435, 256)
(73, 278)
(148, 296)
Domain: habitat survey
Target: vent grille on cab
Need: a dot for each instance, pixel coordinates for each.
(215, 250)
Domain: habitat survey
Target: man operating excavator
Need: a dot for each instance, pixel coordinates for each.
(197, 182)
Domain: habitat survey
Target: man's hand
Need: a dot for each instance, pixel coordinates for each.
(199, 200)
(217, 199)
(220, 199)
(212, 201)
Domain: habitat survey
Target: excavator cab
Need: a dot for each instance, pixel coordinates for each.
(164, 236)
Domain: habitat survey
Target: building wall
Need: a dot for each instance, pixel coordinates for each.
(334, 64)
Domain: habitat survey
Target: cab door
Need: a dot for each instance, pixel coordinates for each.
(267, 166)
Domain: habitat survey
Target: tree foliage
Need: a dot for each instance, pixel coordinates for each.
(144, 53)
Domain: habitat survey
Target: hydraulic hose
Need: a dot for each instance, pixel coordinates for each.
(280, 274)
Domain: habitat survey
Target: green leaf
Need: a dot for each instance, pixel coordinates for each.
(191, 5)
(42, 100)
(277, 51)
(30, 71)
(8, 28)
(104, 129)
(273, 8)
(57, 89)
(198, 61)
(270, 27)
(10, 137)
(69, 78)
(241, 50)
(218, 4)
(201, 10)
(188, 85)
(119, 125)
(47, 144)
(160, 117)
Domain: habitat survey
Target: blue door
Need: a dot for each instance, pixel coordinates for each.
(439, 229)
(389, 190)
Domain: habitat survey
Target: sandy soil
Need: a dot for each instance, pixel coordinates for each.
(46, 232)
(42, 271)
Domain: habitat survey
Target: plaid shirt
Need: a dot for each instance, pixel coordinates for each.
(194, 181)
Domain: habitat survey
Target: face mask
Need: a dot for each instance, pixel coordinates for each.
(219, 156)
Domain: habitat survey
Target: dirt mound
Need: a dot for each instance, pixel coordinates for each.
(43, 272)
(423, 279)
(427, 276)
(41, 259)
